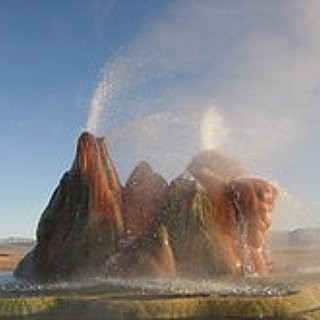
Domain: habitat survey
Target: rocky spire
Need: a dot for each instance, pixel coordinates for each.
(82, 223)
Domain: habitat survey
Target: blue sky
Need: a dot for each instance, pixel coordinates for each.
(250, 67)
(51, 54)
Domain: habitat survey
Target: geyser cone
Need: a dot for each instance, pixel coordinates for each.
(82, 223)
(241, 213)
(144, 197)
(97, 171)
(210, 214)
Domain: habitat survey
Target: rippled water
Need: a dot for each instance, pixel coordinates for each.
(6, 278)
(10, 286)
(125, 290)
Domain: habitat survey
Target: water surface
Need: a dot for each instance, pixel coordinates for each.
(226, 286)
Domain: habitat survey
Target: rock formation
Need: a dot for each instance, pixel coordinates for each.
(188, 216)
(241, 212)
(150, 255)
(252, 201)
(144, 197)
(210, 220)
(82, 223)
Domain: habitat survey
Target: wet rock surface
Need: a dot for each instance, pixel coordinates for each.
(82, 223)
(150, 255)
(144, 197)
(210, 220)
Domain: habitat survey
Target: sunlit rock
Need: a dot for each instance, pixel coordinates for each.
(253, 201)
(82, 223)
(241, 211)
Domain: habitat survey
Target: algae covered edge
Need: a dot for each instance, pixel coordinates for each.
(123, 306)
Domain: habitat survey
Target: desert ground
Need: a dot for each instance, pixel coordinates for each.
(11, 253)
(286, 258)
(296, 259)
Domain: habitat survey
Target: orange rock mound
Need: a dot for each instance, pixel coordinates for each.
(212, 219)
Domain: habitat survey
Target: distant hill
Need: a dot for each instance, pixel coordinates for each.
(17, 240)
(301, 237)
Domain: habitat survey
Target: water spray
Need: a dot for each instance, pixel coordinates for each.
(213, 129)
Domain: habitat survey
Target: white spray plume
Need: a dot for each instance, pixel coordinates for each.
(213, 129)
(98, 101)
(258, 61)
(112, 81)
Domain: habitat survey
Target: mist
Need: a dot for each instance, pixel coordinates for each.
(240, 77)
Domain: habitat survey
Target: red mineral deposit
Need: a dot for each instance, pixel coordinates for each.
(212, 219)
(82, 223)
(144, 198)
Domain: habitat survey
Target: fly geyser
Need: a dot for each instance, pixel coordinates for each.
(212, 214)
(82, 223)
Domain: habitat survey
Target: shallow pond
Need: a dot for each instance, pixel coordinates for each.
(101, 298)
(13, 287)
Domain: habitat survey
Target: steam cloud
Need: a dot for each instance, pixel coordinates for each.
(258, 61)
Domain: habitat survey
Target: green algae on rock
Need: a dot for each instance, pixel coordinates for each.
(300, 305)
(82, 223)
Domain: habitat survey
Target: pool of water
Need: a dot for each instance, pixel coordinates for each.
(13, 287)
(6, 278)
(93, 297)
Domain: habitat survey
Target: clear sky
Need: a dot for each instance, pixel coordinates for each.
(240, 76)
